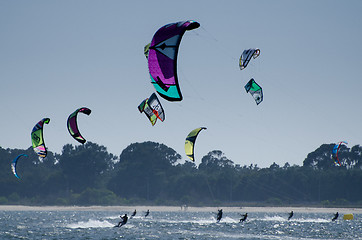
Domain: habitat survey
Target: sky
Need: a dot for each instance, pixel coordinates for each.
(57, 56)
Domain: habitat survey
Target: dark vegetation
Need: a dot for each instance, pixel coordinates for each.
(154, 174)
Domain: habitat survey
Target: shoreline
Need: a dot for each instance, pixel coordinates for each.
(178, 209)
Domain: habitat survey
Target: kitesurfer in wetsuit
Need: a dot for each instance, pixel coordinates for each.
(123, 221)
(290, 215)
(219, 215)
(243, 217)
(335, 216)
(134, 213)
(148, 212)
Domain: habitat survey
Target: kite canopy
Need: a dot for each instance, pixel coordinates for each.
(336, 150)
(255, 90)
(247, 55)
(190, 142)
(152, 108)
(14, 163)
(38, 140)
(73, 126)
(162, 58)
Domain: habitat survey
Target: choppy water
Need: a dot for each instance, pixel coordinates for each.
(174, 225)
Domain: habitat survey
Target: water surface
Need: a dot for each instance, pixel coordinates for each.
(175, 225)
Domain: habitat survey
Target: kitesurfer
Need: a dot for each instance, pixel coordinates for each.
(290, 215)
(335, 216)
(219, 215)
(123, 220)
(134, 213)
(243, 217)
(148, 212)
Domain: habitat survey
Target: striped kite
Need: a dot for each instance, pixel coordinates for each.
(38, 140)
(152, 108)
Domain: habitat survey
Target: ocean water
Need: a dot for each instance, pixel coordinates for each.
(175, 225)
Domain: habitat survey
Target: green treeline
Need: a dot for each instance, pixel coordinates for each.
(154, 174)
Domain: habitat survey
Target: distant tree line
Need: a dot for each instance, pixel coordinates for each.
(152, 173)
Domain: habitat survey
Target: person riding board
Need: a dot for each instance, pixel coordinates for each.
(219, 215)
(335, 216)
(123, 220)
(290, 215)
(134, 213)
(148, 212)
(243, 217)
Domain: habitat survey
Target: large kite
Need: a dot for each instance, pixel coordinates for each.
(246, 57)
(255, 90)
(38, 140)
(73, 126)
(152, 108)
(162, 58)
(336, 150)
(190, 142)
(15, 162)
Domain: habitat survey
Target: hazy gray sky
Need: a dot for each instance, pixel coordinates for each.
(56, 56)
